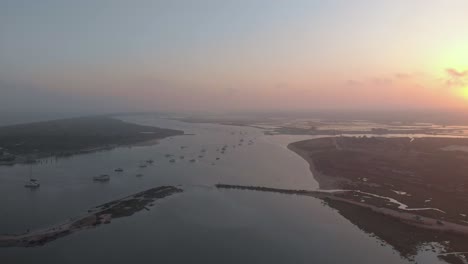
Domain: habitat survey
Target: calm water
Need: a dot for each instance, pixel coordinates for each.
(202, 224)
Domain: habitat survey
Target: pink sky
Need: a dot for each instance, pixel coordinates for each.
(241, 55)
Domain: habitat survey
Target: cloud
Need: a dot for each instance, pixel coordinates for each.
(456, 78)
(353, 83)
(456, 74)
(403, 76)
(382, 81)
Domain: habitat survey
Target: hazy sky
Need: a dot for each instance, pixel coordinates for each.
(233, 55)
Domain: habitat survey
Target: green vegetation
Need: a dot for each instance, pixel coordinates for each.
(76, 135)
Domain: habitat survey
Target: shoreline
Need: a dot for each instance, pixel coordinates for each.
(404, 216)
(28, 143)
(98, 215)
(324, 182)
(362, 202)
(400, 230)
(345, 186)
(410, 170)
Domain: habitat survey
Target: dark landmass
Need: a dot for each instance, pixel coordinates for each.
(420, 172)
(424, 173)
(283, 126)
(405, 117)
(315, 131)
(228, 121)
(65, 137)
(405, 232)
(404, 238)
(96, 216)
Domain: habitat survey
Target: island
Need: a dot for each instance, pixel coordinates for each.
(29, 142)
(102, 214)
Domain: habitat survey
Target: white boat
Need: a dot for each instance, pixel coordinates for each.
(32, 184)
(101, 178)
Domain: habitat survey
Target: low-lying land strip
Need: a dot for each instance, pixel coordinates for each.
(406, 231)
(407, 216)
(96, 216)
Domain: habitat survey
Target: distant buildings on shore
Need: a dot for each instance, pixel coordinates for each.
(6, 157)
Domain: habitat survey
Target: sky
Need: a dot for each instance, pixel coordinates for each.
(240, 55)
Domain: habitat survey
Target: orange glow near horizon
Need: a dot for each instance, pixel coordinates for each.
(255, 55)
(463, 92)
(457, 57)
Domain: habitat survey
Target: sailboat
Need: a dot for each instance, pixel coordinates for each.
(33, 183)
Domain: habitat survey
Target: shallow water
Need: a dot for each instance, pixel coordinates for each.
(203, 224)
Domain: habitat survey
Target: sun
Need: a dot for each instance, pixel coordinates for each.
(452, 56)
(455, 55)
(463, 92)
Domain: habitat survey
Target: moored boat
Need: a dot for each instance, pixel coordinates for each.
(32, 184)
(101, 178)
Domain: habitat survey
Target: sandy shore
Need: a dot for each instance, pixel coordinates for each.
(325, 182)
